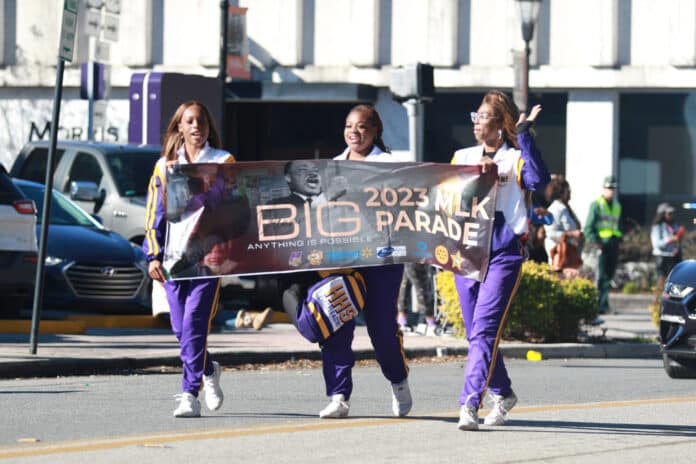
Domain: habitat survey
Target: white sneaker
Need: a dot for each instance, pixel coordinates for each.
(211, 388)
(468, 418)
(500, 409)
(189, 406)
(401, 398)
(337, 408)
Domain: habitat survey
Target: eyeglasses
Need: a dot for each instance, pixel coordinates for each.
(476, 117)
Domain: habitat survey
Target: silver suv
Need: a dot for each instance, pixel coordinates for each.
(17, 246)
(107, 180)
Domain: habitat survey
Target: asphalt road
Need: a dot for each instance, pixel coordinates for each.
(575, 410)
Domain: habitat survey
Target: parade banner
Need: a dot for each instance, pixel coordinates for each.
(287, 216)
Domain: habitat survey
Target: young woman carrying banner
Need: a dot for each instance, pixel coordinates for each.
(363, 135)
(191, 137)
(485, 304)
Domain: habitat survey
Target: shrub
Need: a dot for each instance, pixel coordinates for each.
(579, 303)
(448, 301)
(630, 288)
(532, 314)
(636, 246)
(689, 245)
(545, 308)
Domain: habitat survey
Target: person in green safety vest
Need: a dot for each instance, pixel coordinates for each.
(603, 230)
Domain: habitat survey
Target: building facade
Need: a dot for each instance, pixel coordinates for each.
(615, 78)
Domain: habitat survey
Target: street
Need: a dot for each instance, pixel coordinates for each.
(574, 410)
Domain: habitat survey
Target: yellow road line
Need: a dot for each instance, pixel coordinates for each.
(79, 446)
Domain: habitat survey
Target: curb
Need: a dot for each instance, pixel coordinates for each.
(63, 367)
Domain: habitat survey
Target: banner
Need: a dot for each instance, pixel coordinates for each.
(285, 216)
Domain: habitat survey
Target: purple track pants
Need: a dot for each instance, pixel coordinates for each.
(191, 305)
(380, 318)
(484, 307)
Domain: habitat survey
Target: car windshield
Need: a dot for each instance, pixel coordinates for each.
(132, 170)
(63, 211)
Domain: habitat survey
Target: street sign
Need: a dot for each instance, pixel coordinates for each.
(113, 6)
(102, 52)
(99, 118)
(68, 29)
(71, 5)
(93, 21)
(111, 22)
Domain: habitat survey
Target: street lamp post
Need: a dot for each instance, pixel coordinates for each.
(529, 13)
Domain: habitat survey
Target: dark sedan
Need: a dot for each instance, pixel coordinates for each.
(678, 321)
(88, 267)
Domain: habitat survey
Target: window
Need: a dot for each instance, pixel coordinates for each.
(84, 168)
(34, 166)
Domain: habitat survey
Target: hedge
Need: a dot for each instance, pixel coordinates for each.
(545, 308)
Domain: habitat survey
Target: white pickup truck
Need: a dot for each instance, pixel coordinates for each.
(107, 180)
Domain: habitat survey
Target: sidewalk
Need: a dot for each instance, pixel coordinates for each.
(622, 335)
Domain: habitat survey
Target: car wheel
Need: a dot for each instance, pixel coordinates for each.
(679, 368)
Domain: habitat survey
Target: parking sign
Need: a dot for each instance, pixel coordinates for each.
(68, 30)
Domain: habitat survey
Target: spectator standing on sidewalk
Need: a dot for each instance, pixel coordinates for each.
(191, 137)
(504, 141)
(666, 237)
(417, 279)
(603, 231)
(564, 228)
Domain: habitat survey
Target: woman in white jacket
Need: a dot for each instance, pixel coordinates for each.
(565, 222)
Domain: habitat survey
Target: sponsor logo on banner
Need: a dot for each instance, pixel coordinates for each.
(366, 253)
(389, 251)
(422, 251)
(441, 254)
(343, 255)
(315, 257)
(295, 259)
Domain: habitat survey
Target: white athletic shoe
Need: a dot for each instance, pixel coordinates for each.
(401, 398)
(212, 390)
(468, 418)
(189, 406)
(336, 409)
(500, 409)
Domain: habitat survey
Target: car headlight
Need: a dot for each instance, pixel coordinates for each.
(678, 290)
(53, 261)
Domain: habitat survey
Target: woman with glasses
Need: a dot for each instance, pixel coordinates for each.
(504, 142)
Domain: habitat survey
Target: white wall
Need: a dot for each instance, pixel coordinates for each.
(682, 33)
(135, 21)
(584, 33)
(23, 118)
(275, 31)
(424, 31)
(191, 33)
(493, 30)
(335, 40)
(591, 145)
(650, 33)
